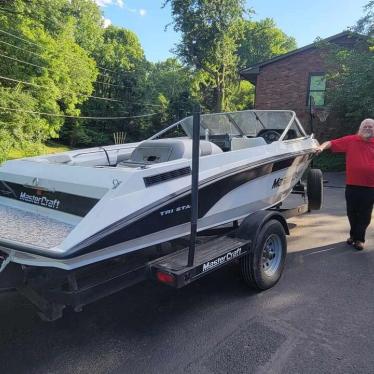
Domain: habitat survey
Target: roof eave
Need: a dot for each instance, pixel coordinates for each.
(250, 74)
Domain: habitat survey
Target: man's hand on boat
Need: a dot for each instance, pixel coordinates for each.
(323, 147)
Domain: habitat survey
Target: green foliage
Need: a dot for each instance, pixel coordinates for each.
(169, 85)
(53, 15)
(123, 81)
(328, 161)
(75, 67)
(365, 25)
(262, 40)
(241, 96)
(31, 150)
(17, 129)
(350, 90)
(351, 84)
(61, 72)
(210, 32)
(217, 41)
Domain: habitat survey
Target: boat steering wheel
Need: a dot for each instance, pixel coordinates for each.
(270, 136)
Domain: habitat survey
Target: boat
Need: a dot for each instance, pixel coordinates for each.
(86, 206)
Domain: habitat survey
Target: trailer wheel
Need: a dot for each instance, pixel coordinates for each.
(263, 266)
(315, 189)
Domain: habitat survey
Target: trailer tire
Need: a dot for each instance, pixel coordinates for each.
(262, 267)
(315, 189)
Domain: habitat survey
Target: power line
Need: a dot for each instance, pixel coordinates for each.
(43, 67)
(22, 49)
(39, 55)
(113, 71)
(24, 62)
(17, 37)
(105, 69)
(89, 96)
(111, 84)
(18, 81)
(77, 117)
(42, 86)
(40, 46)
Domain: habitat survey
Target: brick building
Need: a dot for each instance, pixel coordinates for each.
(289, 81)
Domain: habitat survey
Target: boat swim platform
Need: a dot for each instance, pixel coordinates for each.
(31, 228)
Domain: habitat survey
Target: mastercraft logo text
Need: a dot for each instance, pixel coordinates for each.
(39, 200)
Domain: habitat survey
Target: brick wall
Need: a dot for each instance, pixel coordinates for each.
(283, 84)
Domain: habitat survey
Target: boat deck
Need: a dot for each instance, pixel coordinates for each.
(31, 228)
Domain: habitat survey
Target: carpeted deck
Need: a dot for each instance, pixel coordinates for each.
(31, 228)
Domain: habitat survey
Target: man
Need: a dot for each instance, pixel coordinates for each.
(359, 192)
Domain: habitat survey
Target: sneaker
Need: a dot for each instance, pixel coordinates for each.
(359, 245)
(350, 241)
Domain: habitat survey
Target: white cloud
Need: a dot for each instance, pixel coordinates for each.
(121, 4)
(103, 3)
(131, 10)
(107, 22)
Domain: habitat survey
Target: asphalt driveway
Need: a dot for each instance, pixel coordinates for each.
(318, 319)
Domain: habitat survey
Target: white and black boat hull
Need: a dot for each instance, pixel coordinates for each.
(223, 197)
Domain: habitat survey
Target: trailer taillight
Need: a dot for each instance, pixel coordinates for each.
(165, 277)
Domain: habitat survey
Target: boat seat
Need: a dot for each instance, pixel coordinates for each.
(242, 143)
(163, 150)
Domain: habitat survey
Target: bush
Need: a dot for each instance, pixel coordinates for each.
(329, 162)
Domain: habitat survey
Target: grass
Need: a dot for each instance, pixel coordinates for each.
(329, 162)
(43, 150)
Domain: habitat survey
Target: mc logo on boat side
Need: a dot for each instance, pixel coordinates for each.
(279, 181)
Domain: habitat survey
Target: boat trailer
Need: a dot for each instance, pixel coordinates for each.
(257, 243)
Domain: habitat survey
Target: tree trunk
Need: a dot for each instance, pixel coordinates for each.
(218, 104)
(220, 93)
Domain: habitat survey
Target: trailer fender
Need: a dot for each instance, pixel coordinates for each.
(252, 224)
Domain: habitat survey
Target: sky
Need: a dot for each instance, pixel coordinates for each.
(305, 20)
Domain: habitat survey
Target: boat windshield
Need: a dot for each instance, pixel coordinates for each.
(249, 123)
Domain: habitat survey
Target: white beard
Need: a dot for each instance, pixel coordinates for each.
(367, 134)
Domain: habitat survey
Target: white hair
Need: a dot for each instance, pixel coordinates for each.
(362, 130)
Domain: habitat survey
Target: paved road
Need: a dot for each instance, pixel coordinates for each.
(318, 319)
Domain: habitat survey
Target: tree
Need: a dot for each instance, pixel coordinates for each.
(350, 93)
(57, 73)
(262, 40)
(169, 85)
(210, 33)
(122, 82)
(53, 14)
(365, 25)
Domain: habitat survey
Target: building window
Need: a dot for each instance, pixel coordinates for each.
(317, 89)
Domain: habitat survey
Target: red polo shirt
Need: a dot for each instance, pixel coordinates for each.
(359, 159)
